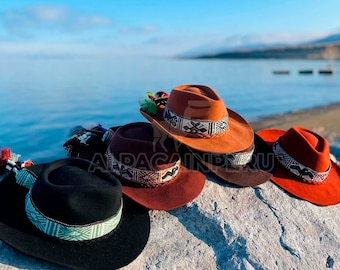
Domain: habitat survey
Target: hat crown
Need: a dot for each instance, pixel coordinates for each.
(307, 147)
(196, 102)
(71, 191)
(142, 146)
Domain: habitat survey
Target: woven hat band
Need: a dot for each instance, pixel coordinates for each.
(25, 178)
(195, 127)
(142, 177)
(236, 159)
(66, 231)
(295, 167)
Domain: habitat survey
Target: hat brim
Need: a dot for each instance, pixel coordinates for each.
(258, 171)
(323, 194)
(238, 136)
(115, 250)
(184, 188)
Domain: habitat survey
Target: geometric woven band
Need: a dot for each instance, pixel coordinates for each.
(25, 178)
(195, 126)
(305, 173)
(142, 177)
(236, 159)
(69, 232)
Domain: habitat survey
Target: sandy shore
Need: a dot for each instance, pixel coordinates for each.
(324, 120)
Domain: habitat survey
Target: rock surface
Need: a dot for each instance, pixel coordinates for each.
(227, 227)
(232, 228)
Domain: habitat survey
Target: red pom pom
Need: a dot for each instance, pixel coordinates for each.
(27, 163)
(5, 154)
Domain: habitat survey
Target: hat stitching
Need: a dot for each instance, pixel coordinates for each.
(142, 177)
(69, 232)
(195, 126)
(305, 173)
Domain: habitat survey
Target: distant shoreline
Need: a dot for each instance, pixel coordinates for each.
(306, 51)
(324, 120)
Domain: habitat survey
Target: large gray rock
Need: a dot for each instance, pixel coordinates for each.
(232, 228)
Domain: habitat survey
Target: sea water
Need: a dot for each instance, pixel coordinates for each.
(41, 99)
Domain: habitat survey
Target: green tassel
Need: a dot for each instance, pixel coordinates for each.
(148, 106)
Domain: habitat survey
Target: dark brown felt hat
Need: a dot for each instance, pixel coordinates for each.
(149, 168)
(72, 215)
(196, 116)
(250, 167)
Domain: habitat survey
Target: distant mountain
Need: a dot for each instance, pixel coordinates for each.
(325, 48)
(227, 48)
(329, 39)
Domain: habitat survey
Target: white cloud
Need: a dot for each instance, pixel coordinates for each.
(45, 13)
(46, 17)
(144, 29)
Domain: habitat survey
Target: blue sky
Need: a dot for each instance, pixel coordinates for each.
(157, 27)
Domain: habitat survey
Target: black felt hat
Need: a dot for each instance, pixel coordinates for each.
(73, 215)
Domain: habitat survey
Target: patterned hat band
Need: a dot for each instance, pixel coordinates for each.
(238, 159)
(305, 173)
(195, 127)
(235, 159)
(142, 177)
(25, 178)
(70, 232)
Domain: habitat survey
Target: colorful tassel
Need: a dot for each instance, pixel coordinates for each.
(148, 105)
(5, 154)
(9, 161)
(151, 102)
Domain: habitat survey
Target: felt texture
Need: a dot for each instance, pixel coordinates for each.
(140, 145)
(112, 251)
(138, 140)
(258, 171)
(202, 102)
(308, 148)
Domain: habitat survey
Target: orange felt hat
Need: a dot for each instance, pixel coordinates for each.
(303, 165)
(196, 116)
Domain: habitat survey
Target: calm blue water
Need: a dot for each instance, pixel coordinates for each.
(42, 99)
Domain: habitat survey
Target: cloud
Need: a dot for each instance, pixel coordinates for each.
(47, 17)
(144, 29)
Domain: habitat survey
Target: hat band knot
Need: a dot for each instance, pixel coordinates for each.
(197, 127)
(142, 177)
(305, 173)
(66, 231)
